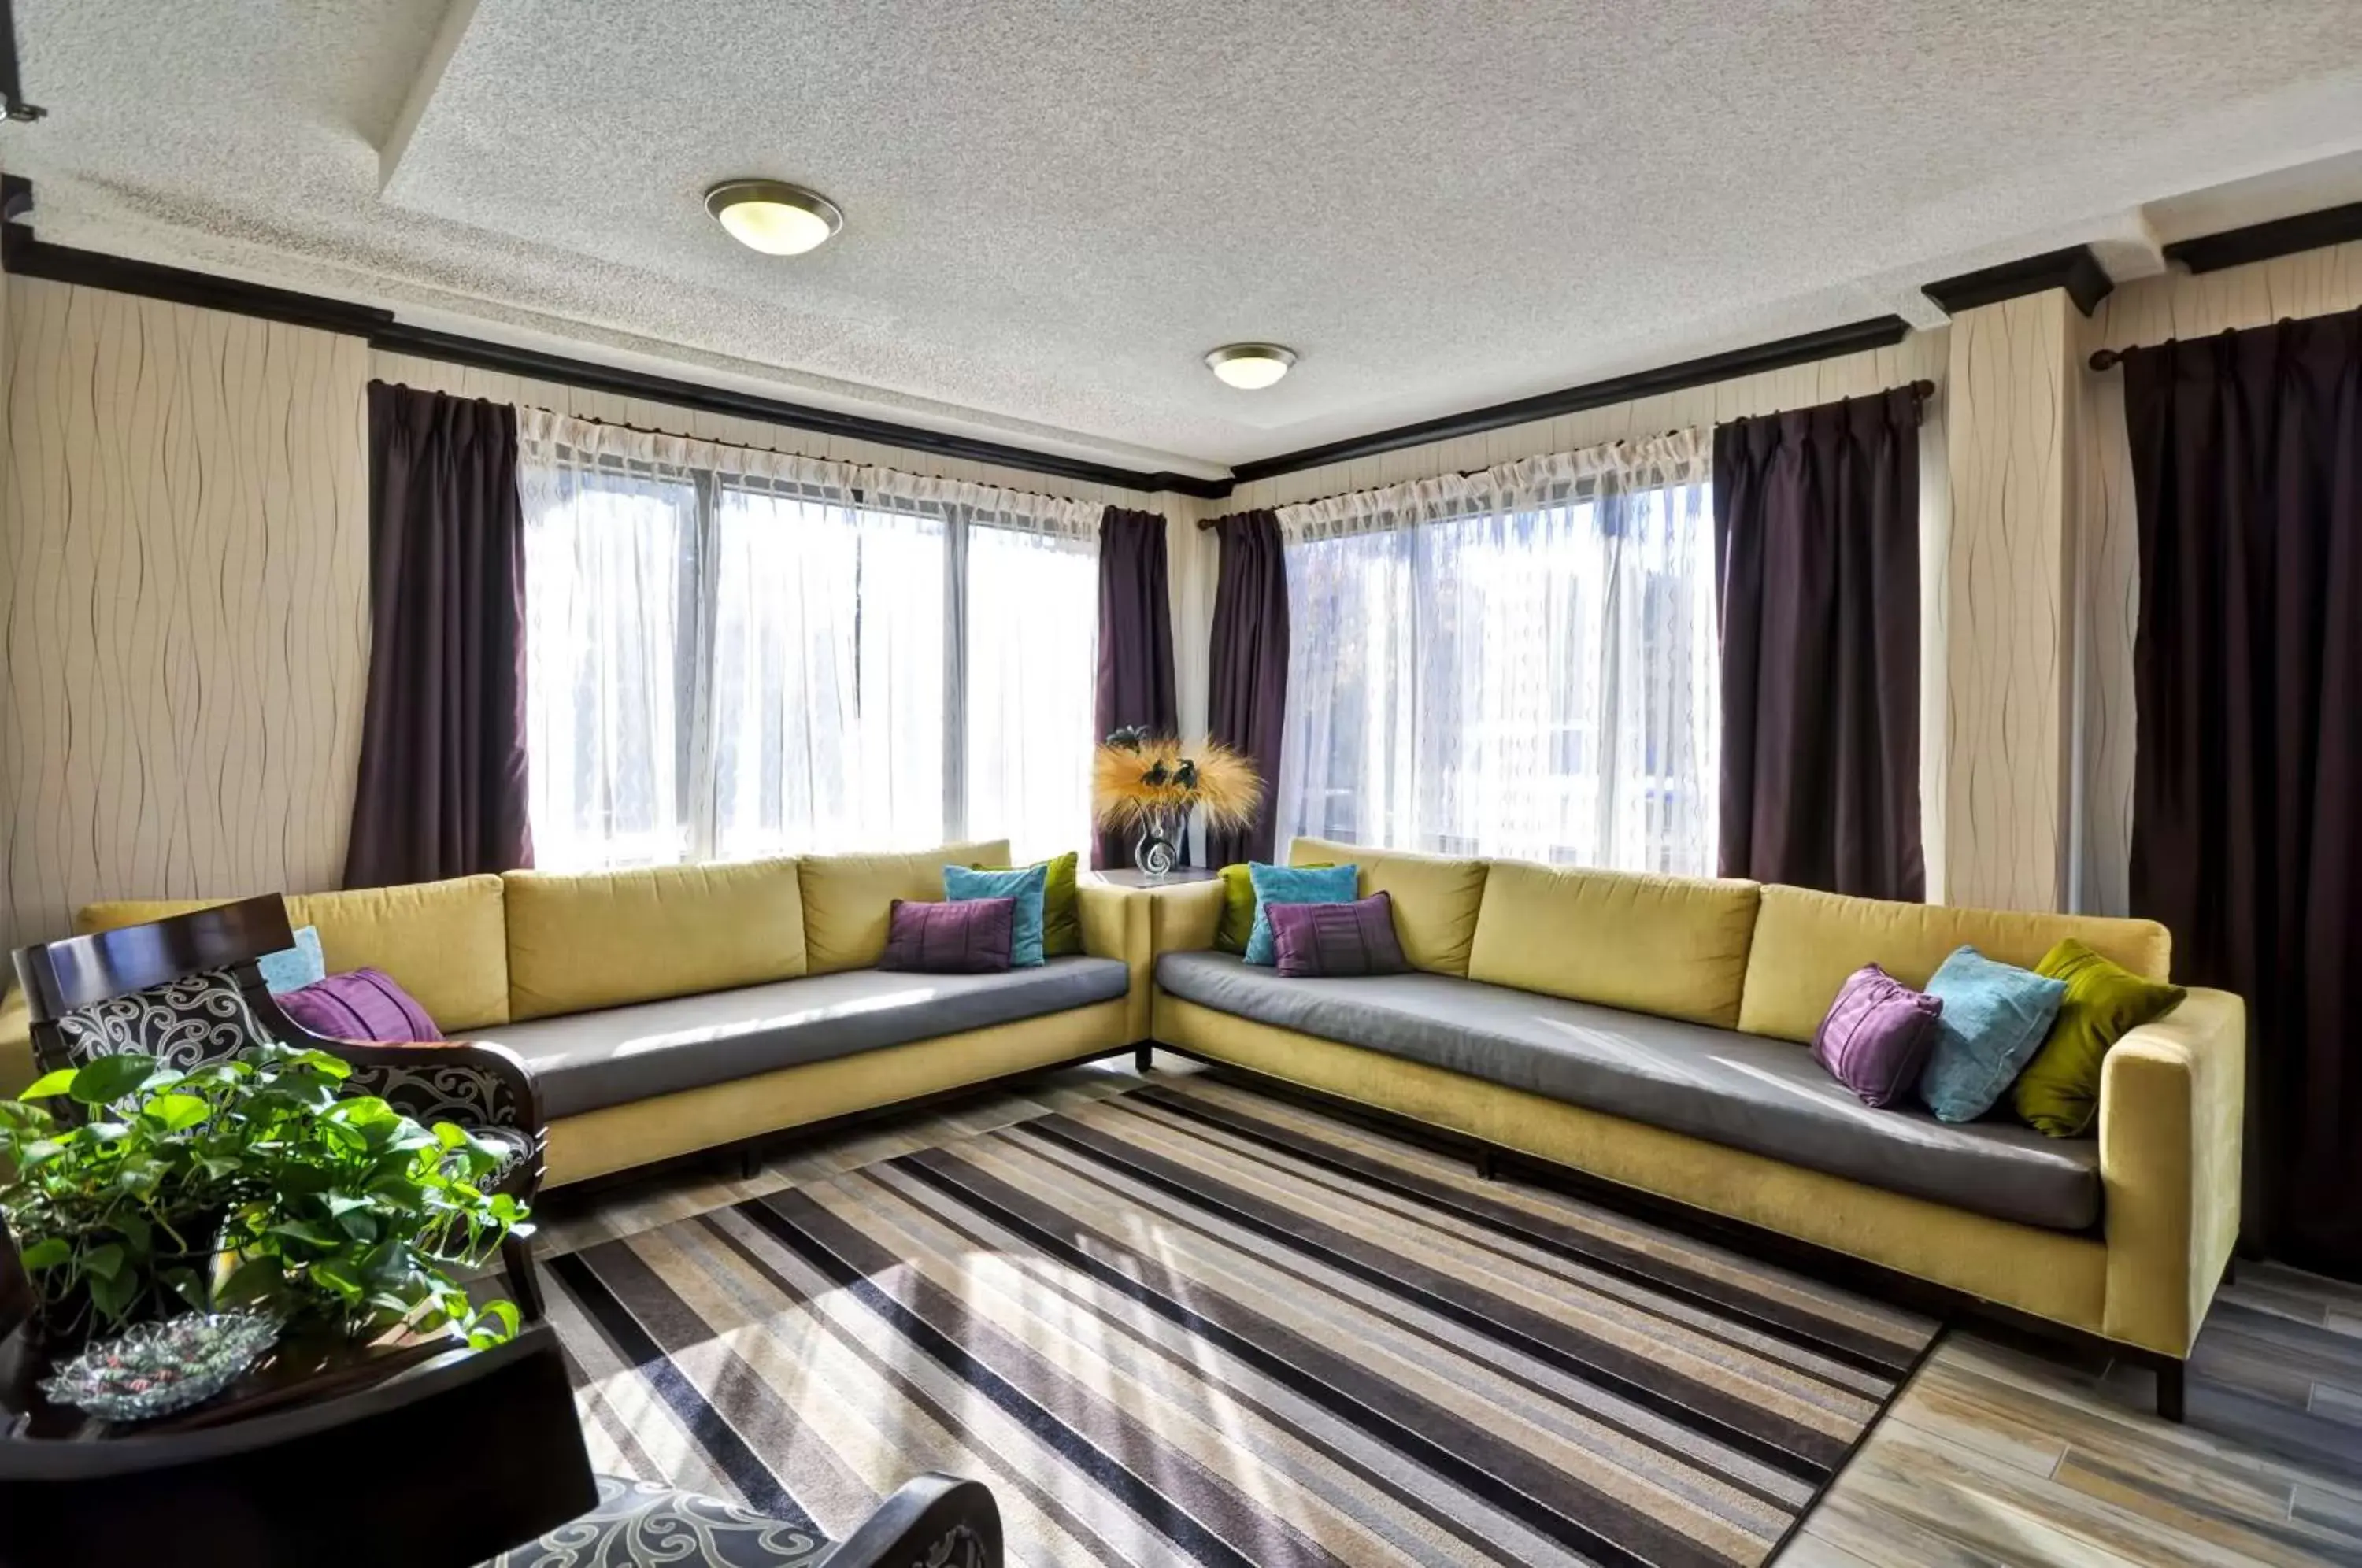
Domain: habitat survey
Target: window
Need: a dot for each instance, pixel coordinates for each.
(722, 666)
(1521, 663)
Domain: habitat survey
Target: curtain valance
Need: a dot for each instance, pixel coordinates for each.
(1676, 458)
(547, 439)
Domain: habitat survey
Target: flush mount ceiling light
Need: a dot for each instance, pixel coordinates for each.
(772, 216)
(1249, 367)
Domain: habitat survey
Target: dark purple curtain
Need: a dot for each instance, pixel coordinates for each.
(442, 789)
(1247, 696)
(1135, 642)
(2248, 780)
(1816, 541)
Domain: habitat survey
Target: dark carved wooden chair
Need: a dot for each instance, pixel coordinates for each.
(467, 1458)
(484, 1448)
(445, 1463)
(188, 991)
(934, 1521)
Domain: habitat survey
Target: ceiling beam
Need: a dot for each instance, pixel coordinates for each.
(456, 19)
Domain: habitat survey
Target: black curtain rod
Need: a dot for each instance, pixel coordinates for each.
(1922, 389)
(2108, 358)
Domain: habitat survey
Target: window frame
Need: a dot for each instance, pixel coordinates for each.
(1567, 493)
(696, 641)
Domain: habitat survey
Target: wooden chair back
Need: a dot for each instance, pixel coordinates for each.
(60, 977)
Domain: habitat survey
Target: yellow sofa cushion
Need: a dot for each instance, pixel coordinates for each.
(609, 938)
(846, 897)
(1676, 946)
(1435, 897)
(445, 943)
(1807, 942)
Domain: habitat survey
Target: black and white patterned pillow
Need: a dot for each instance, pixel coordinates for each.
(183, 1023)
(646, 1524)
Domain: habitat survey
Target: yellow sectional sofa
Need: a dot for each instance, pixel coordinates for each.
(1654, 1032)
(674, 1009)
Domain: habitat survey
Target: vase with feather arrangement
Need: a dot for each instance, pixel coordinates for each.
(1149, 787)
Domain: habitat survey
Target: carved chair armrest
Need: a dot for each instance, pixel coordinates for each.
(935, 1521)
(468, 1083)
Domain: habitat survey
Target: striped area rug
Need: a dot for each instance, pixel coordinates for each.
(1194, 1324)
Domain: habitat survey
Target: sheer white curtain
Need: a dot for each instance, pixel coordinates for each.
(1517, 662)
(607, 558)
(734, 653)
(1032, 661)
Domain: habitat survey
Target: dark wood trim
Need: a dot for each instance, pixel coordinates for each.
(1880, 332)
(1890, 1284)
(30, 257)
(12, 85)
(26, 254)
(2075, 270)
(399, 338)
(21, 251)
(2262, 241)
(16, 197)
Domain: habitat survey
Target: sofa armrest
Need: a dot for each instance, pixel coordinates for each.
(1185, 917)
(1135, 925)
(2172, 1105)
(16, 1069)
(1115, 925)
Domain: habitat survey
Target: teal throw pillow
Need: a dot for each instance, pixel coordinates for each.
(292, 968)
(1293, 885)
(1030, 887)
(1995, 1019)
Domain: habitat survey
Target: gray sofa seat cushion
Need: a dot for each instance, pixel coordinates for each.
(586, 1060)
(1765, 1096)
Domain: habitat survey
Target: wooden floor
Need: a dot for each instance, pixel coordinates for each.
(1995, 1453)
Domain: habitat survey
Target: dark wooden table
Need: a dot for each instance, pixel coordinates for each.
(419, 1454)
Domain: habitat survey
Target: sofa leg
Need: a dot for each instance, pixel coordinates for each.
(750, 1163)
(517, 1261)
(1488, 1165)
(1143, 1059)
(2169, 1390)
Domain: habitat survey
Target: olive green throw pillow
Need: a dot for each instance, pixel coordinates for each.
(2059, 1093)
(1239, 906)
(1062, 905)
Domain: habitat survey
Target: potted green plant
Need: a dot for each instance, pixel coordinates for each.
(250, 1182)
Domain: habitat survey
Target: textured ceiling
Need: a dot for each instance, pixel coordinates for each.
(1053, 210)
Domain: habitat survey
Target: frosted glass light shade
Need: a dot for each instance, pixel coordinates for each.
(773, 217)
(1249, 367)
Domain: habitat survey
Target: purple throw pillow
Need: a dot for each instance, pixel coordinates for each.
(1333, 941)
(364, 1004)
(1877, 1035)
(970, 937)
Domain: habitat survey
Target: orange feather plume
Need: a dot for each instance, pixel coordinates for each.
(1129, 783)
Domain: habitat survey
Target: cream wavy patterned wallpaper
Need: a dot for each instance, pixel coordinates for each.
(2007, 677)
(183, 575)
(2150, 311)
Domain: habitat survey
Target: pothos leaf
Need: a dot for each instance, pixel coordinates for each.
(46, 1252)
